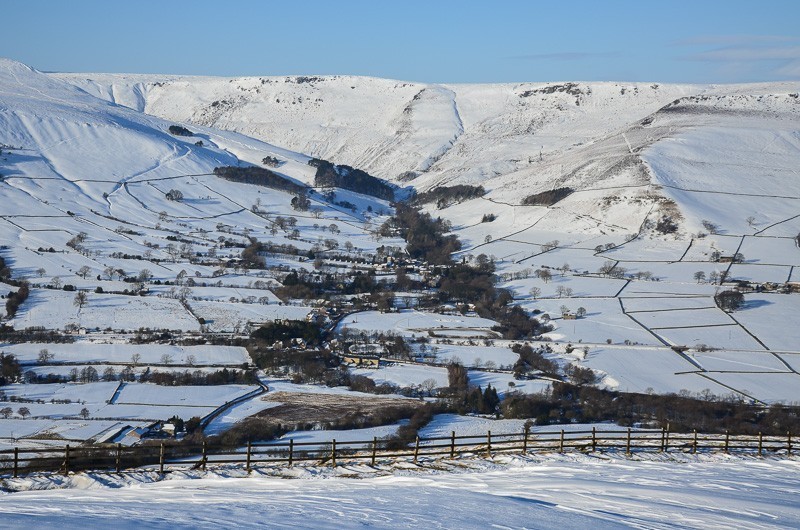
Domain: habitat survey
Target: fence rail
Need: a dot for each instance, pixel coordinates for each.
(166, 457)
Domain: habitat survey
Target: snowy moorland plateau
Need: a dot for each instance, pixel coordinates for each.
(251, 259)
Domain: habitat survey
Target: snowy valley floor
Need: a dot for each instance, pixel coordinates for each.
(543, 491)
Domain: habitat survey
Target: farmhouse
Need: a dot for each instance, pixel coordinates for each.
(361, 360)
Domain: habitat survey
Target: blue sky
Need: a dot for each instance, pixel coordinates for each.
(700, 41)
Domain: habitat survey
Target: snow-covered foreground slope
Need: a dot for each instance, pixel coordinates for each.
(536, 492)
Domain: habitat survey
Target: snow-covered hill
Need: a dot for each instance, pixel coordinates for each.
(601, 139)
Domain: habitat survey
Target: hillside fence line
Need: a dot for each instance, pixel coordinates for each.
(166, 457)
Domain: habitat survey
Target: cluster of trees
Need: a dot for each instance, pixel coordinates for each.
(329, 175)
(14, 300)
(5, 271)
(10, 370)
(466, 399)
(200, 378)
(305, 285)
(6, 412)
(729, 300)
(407, 433)
(547, 198)
(77, 241)
(33, 334)
(479, 401)
(570, 403)
(666, 225)
(444, 196)
(251, 255)
(464, 283)
(532, 360)
(271, 161)
(426, 238)
(301, 202)
(174, 195)
(513, 322)
(258, 176)
(285, 330)
(177, 130)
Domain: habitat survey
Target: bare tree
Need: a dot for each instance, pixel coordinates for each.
(45, 356)
(606, 268)
(535, 292)
(428, 386)
(24, 412)
(41, 271)
(84, 413)
(81, 299)
(84, 271)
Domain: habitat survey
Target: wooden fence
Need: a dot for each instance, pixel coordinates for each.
(165, 457)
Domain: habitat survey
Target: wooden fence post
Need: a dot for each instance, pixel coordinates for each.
(662, 439)
(161, 459)
(594, 438)
(789, 442)
(119, 458)
(416, 449)
(525, 432)
(16, 461)
(205, 455)
(66, 460)
(374, 449)
(760, 443)
(666, 438)
(333, 453)
(694, 443)
(628, 443)
(247, 458)
(291, 452)
(561, 442)
(453, 444)
(489, 444)
(727, 441)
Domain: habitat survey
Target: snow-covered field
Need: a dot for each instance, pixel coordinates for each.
(411, 322)
(84, 351)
